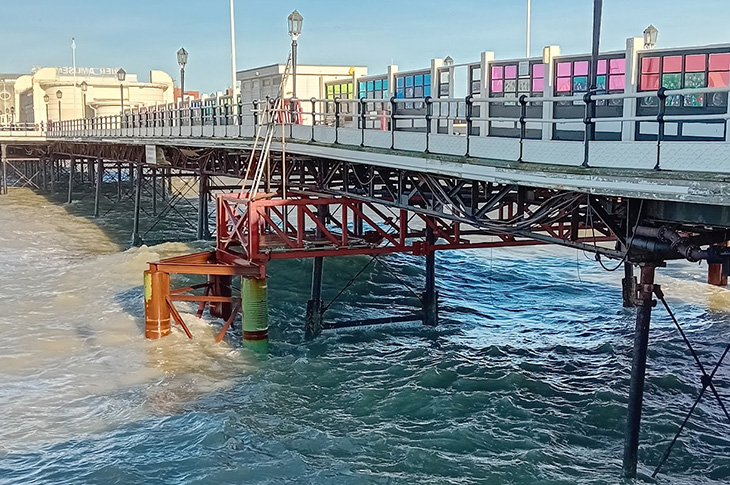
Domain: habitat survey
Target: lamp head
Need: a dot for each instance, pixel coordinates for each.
(84, 86)
(295, 24)
(182, 57)
(46, 98)
(121, 75)
(650, 35)
(59, 94)
(448, 61)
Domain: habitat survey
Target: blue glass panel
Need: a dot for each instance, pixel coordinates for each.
(362, 86)
(419, 80)
(409, 81)
(427, 80)
(362, 92)
(399, 93)
(385, 84)
(427, 90)
(378, 84)
(399, 82)
(370, 86)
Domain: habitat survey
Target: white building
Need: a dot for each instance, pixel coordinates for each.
(54, 93)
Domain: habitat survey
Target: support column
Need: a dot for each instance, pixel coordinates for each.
(255, 314)
(430, 295)
(154, 191)
(4, 156)
(714, 272)
(97, 188)
(220, 285)
(54, 172)
(71, 168)
(628, 286)
(119, 182)
(203, 229)
(136, 239)
(44, 173)
(156, 309)
(638, 370)
(313, 321)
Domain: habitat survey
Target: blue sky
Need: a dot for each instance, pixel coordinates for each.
(140, 35)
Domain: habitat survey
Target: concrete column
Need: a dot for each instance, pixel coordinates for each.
(486, 59)
(633, 46)
(549, 53)
(255, 314)
(638, 371)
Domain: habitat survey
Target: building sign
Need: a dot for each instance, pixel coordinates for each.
(81, 71)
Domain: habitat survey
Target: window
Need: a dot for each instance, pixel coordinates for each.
(374, 89)
(341, 90)
(413, 86)
(514, 79)
(573, 77)
(690, 70)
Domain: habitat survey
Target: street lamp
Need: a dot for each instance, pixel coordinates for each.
(121, 76)
(295, 28)
(46, 99)
(12, 115)
(84, 87)
(182, 60)
(448, 61)
(59, 95)
(650, 35)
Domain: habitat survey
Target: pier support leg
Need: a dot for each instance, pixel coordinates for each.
(203, 229)
(255, 314)
(156, 307)
(430, 295)
(4, 156)
(54, 171)
(628, 285)
(220, 285)
(136, 239)
(71, 168)
(97, 188)
(714, 272)
(638, 370)
(154, 191)
(119, 182)
(313, 320)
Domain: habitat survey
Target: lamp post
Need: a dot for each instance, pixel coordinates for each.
(84, 87)
(59, 95)
(121, 76)
(12, 115)
(650, 35)
(182, 60)
(46, 99)
(295, 28)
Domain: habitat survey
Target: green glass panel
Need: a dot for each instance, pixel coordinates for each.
(672, 81)
(694, 100)
(601, 83)
(694, 80)
(580, 83)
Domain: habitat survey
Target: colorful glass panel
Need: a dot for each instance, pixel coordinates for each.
(580, 68)
(538, 71)
(672, 64)
(523, 85)
(650, 65)
(617, 82)
(601, 66)
(601, 83)
(564, 69)
(617, 66)
(650, 82)
(580, 83)
(563, 84)
(694, 63)
(510, 72)
(719, 79)
(510, 85)
(538, 85)
(719, 62)
(672, 81)
(497, 85)
(497, 72)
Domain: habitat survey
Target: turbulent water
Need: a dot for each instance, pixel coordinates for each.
(525, 380)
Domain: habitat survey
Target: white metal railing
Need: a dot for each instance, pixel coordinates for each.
(469, 119)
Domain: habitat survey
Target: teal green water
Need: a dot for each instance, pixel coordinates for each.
(524, 382)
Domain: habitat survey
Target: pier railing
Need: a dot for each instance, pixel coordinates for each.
(457, 126)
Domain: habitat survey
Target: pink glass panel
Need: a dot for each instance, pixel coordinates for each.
(563, 84)
(538, 71)
(617, 66)
(694, 63)
(580, 68)
(497, 85)
(563, 69)
(649, 82)
(719, 62)
(650, 65)
(497, 72)
(719, 79)
(673, 64)
(617, 82)
(510, 72)
(538, 84)
(602, 67)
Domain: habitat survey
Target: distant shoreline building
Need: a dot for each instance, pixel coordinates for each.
(96, 92)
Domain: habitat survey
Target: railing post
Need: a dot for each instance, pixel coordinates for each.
(523, 124)
(428, 101)
(469, 110)
(314, 115)
(590, 125)
(392, 122)
(337, 119)
(363, 107)
(255, 115)
(662, 95)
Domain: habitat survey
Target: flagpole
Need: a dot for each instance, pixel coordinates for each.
(527, 43)
(233, 55)
(73, 58)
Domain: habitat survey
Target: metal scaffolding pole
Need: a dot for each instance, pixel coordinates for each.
(97, 189)
(136, 239)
